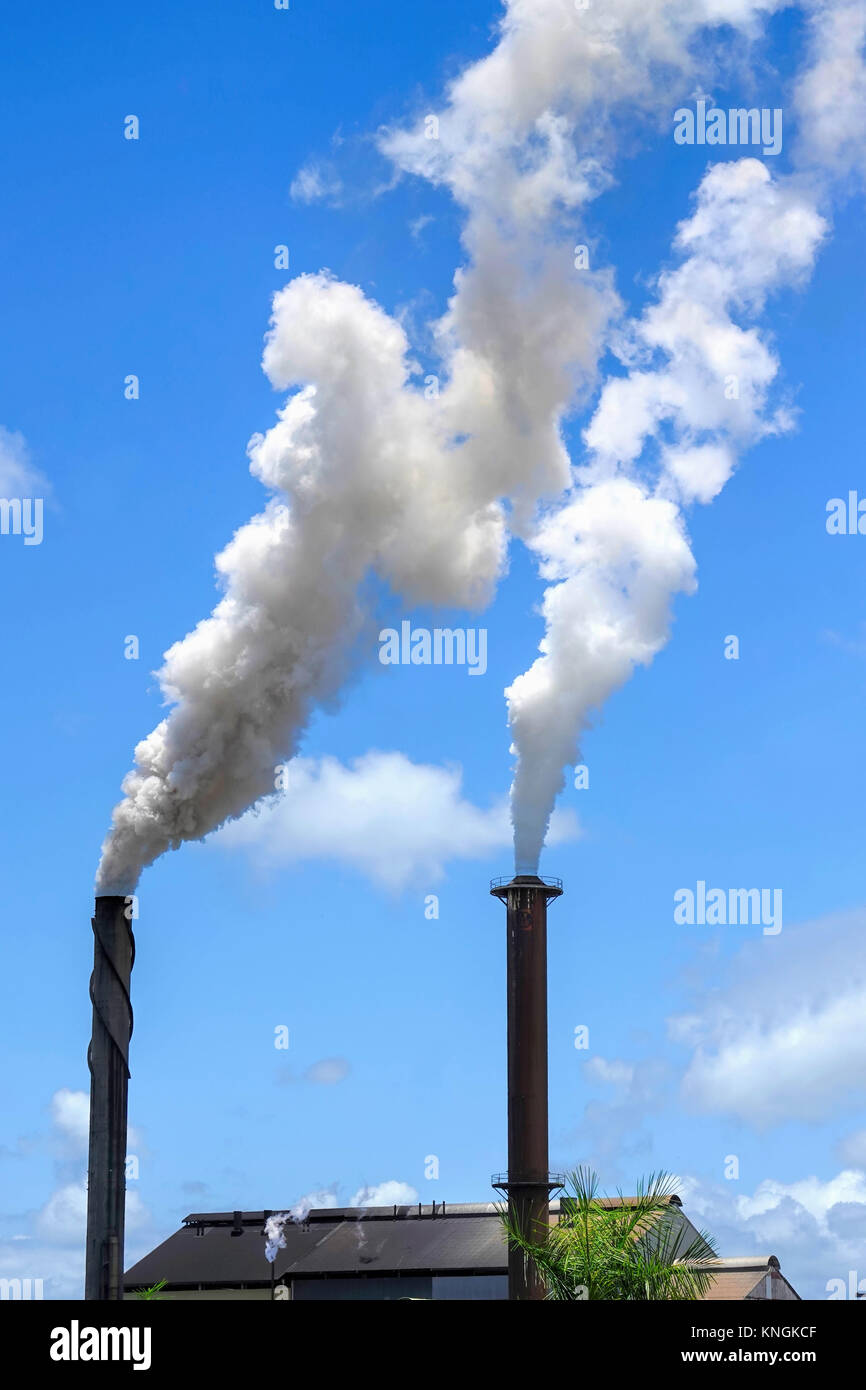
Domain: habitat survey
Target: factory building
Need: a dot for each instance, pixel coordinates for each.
(439, 1251)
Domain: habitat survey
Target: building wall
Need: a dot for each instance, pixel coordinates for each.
(362, 1290)
(780, 1288)
(463, 1287)
(209, 1295)
(470, 1286)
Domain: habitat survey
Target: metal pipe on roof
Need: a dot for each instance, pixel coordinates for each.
(108, 1060)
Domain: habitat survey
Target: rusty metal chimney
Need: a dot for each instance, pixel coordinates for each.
(108, 1059)
(528, 1182)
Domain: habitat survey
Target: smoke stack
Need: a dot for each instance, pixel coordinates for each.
(528, 1181)
(108, 1058)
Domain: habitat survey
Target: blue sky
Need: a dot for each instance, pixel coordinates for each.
(156, 257)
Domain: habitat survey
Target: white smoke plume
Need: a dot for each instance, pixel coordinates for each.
(275, 1234)
(276, 1223)
(616, 552)
(366, 482)
(669, 432)
(375, 470)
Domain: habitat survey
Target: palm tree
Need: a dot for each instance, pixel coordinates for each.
(155, 1290)
(630, 1248)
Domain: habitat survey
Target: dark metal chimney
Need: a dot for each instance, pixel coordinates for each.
(528, 1181)
(108, 1059)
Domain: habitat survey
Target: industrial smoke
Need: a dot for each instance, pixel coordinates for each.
(379, 466)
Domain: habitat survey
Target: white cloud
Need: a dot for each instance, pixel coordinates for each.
(53, 1250)
(70, 1114)
(612, 1135)
(61, 1269)
(387, 817)
(328, 1072)
(816, 1197)
(63, 1218)
(417, 225)
(385, 1194)
(315, 183)
(852, 1149)
(314, 1201)
(854, 646)
(611, 1073)
(816, 1228)
(785, 1038)
(18, 477)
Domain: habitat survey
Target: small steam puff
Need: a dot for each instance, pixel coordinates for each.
(392, 1192)
(276, 1223)
(275, 1238)
(372, 470)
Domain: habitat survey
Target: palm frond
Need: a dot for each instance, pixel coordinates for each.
(636, 1248)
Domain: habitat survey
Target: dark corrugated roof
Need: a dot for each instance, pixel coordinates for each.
(442, 1244)
(369, 1241)
(214, 1257)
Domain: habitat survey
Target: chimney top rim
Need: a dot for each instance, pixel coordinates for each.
(552, 886)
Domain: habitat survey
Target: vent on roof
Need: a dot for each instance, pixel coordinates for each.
(238, 1224)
